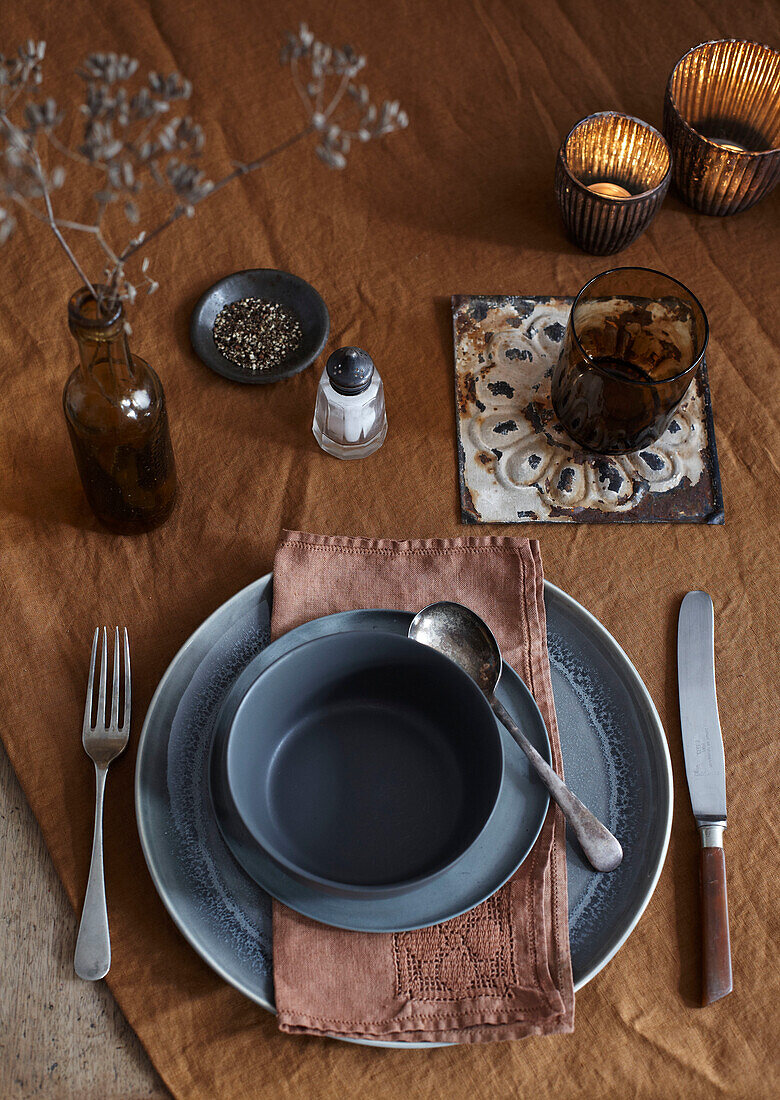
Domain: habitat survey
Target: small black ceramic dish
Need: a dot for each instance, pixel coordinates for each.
(287, 290)
(364, 764)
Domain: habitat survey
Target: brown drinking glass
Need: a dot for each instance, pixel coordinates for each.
(115, 411)
(633, 344)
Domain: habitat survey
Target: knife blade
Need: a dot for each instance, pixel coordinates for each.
(705, 768)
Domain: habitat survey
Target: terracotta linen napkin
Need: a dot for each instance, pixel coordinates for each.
(503, 970)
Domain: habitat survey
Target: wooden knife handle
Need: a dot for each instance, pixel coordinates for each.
(715, 926)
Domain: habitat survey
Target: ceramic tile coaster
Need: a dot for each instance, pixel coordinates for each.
(517, 465)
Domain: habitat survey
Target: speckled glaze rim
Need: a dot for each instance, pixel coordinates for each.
(622, 662)
(638, 381)
(583, 187)
(692, 129)
(622, 658)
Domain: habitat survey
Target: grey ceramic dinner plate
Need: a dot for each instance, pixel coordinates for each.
(493, 858)
(614, 751)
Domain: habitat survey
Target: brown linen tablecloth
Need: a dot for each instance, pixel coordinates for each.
(460, 202)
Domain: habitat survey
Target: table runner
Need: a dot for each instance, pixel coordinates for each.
(502, 971)
(461, 201)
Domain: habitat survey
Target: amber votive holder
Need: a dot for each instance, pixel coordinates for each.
(722, 121)
(611, 176)
(634, 342)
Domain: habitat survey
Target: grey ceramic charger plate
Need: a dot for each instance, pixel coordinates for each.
(614, 751)
(276, 286)
(493, 858)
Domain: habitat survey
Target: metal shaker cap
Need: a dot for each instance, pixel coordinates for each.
(350, 370)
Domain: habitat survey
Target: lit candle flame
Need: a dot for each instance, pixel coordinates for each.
(609, 190)
(732, 146)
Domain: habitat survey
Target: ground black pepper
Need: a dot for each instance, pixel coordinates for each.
(256, 334)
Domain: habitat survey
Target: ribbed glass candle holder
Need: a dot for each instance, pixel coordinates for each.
(611, 176)
(722, 121)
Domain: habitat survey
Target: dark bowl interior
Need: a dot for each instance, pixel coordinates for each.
(275, 286)
(362, 762)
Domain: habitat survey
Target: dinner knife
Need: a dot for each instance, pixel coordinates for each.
(706, 771)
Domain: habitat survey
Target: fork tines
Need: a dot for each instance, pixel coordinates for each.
(112, 725)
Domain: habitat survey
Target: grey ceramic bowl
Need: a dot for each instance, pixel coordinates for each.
(275, 286)
(362, 763)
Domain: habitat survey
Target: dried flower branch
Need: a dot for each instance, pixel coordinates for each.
(136, 144)
(337, 128)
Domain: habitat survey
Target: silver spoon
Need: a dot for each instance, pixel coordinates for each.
(462, 636)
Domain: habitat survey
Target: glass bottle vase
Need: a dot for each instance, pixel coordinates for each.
(114, 407)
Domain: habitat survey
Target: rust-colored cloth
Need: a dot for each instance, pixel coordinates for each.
(502, 971)
(460, 202)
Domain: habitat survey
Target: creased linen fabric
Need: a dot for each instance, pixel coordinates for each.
(461, 202)
(502, 971)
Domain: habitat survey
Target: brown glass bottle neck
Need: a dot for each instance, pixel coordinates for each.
(99, 324)
(102, 344)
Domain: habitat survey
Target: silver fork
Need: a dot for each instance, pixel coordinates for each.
(102, 742)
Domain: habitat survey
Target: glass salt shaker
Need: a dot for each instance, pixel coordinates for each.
(349, 417)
